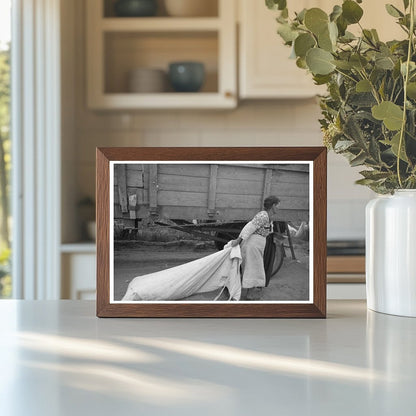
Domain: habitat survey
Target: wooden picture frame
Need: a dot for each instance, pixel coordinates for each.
(275, 159)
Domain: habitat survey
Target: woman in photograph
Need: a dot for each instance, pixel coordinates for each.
(252, 239)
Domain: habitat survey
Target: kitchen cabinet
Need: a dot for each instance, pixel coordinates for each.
(118, 45)
(78, 262)
(265, 70)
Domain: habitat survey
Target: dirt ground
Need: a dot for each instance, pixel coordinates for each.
(135, 259)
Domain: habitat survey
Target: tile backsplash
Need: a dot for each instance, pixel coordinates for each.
(257, 123)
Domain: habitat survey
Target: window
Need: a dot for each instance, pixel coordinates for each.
(5, 147)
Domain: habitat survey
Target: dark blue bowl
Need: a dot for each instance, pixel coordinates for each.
(186, 76)
(135, 8)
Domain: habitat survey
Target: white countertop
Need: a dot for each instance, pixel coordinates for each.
(57, 358)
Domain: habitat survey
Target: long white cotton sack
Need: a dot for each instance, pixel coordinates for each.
(203, 275)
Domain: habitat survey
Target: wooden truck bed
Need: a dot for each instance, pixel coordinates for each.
(209, 192)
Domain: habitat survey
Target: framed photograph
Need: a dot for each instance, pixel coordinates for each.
(211, 232)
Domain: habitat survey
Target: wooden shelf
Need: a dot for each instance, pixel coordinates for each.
(196, 100)
(160, 24)
(81, 247)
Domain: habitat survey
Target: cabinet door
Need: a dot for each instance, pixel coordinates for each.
(266, 71)
(78, 276)
(265, 68)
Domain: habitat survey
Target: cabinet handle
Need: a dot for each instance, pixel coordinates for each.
(229, 94)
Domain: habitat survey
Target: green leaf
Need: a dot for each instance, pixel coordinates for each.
(359, 160)
(351, 11)
(342, 25)
(316, 20)
(374, 150)
(365, 182)
(354, 132)
(343, 145)
(391, 114)
(303, 43)
(292, 52)
(406, 4)
(347, 37)
(358, 61)
(374, 174)
(396, 70)
(301, 63)
(333, 32)
(287, 33)
(375, 35)
(384, 62)
(363, 86)
(411, 122)
(325, 42)
(412, 67)
(319, 61)
(336, 12)
(393, 11)
(276, 4)
(282, 20)
(301, 15)
(362, 99)
(394, 143)
(321, 79)
(382, 89)
(368, 36)
(345, 65)
(411, 90)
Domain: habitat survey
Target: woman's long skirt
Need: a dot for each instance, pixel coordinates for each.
(252, 252)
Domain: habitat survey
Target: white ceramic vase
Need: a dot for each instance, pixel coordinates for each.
(391, 253)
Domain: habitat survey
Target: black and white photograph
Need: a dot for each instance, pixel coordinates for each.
(211, 232)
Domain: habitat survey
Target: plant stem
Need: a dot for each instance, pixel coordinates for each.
(373, 88)
(406, 79)
(346, 75)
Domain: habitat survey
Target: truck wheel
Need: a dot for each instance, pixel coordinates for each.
(278, 258)
(274, 253)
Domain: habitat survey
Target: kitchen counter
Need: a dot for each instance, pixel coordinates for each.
(57, 358)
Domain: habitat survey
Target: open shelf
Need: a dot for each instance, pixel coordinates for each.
(209, 9)
(116, 46)
(127, 51)
(160, 24)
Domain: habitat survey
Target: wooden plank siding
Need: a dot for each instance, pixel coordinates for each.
(195, 171)
(182, 183)
(225, 192)
(212, 193)
(120, 174)
(153, 188)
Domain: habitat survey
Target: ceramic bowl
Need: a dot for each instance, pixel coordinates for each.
(186, 76)
(135, 8)
(147, 80)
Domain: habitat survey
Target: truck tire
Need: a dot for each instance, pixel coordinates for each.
(274, 253)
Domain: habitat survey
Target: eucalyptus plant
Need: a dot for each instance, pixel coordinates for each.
(369, 111)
